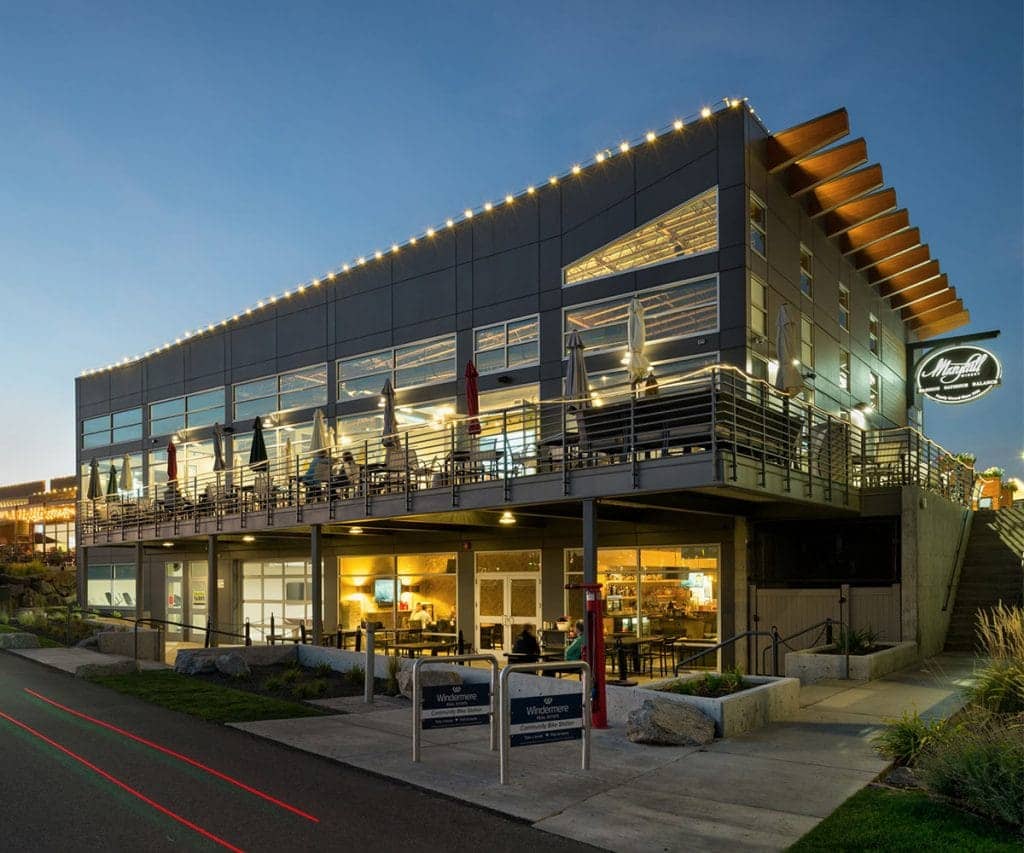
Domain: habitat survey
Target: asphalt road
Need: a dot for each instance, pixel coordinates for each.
(133, 796)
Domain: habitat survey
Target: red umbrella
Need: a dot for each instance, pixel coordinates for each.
(472, 399)
(172, 461)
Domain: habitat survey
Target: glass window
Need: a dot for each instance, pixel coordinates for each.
(117, 461)
(304, 388)
(806, 342)
(759, 367)
(604, 383)
(844, 370)
(758, 307)
(875, 391)
(806, 271)
(362, 432)
(844, 308)
(193, 410)
(278, 588)
(873, 333)
(758, 226)
(504, 346)
(674, 311)
(689, 229)
(517, 432)
(111, 585)
(112, 429)
(421, 363)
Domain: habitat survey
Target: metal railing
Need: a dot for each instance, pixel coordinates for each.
(773, 635)
(827, 633)
(208, 630)
(750, 430)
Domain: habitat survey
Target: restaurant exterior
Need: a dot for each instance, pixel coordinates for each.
(636, 372)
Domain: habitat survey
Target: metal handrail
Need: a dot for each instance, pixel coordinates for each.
(957, 562)
(773, 634)
(208, 630)
(827, 623)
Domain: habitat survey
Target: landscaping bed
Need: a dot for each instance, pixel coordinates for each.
(865, 663)
(291, 681)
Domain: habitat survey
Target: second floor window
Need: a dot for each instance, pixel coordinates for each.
(112, 429)
(844, 308)
(297, 389)
(506, 346)
(758, 226)
(422, 363)
(873, 333)
(806, 272)
(844, 370)
(188, 412)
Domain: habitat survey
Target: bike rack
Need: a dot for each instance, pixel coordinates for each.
(417, 698)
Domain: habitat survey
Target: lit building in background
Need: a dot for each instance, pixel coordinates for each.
(37, 520)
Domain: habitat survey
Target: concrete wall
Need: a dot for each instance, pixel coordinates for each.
(932, 530)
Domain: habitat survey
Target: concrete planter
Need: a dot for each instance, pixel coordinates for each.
(769, 700)
(828, 662)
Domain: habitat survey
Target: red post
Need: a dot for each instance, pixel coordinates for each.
(593, 651)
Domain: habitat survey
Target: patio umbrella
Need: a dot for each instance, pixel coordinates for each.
(636, 361)
(218, 447)
(472, 399)
(258, 450)
(389, 437)
(127, 480)
(172, 462)
(321, 439)
(288, 456)
(95, 491)
(787, 349)
(112, 483)
(576, 390)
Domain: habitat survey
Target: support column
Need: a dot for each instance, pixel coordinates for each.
(81, 575)
(211, 586)
(589, 553)
(140, 585)
(316, 559)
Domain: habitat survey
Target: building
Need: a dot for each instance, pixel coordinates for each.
(37, 519)
(694, 496)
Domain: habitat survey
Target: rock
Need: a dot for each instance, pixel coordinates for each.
(233, 666)
(88, 643)
(902, 777)
(190, 663)
(19, 640)
(114, 667)
(429, 677)
(667, 723)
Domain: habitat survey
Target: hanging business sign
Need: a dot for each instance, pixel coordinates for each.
(958, 374)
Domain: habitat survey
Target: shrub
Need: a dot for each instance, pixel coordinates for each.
(310, 690)
(860, 641)
(1001, 632)
(394, 667)
(903, 739)
(322, 670)
(357, 675)
(292, 675)
(999, 684)
(712, 684)
(982, 767)
(274, 684)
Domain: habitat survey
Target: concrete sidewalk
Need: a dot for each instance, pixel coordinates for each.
(68, 660)
(759, 791)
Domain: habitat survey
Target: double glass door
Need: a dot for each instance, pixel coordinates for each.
(186, 588)
(507, 596)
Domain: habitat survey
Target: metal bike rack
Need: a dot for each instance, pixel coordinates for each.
(417, 697)
(506, 707)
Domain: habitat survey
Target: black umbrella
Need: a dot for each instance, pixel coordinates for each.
(218, 447)
(112, 483)
(258, 451)
(95, 491)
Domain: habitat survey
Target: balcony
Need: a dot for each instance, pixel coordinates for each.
(717, 431)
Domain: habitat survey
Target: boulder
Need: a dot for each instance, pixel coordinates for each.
(902, 777)
(194, 664)
(429, 677)
(232, 665)
(115, 667)
(19, 640)
(667, 723)
(92, 642)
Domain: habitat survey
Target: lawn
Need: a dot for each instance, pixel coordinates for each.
(202, 699)
(44, 641)
(883, 819)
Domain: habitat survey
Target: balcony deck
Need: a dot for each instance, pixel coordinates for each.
(716, 431)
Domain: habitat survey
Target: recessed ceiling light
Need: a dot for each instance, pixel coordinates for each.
(249, 538)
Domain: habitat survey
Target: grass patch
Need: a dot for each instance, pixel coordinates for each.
(44, 641)
(204, 700)
(881, 819)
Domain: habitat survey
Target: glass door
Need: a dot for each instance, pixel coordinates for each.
(174, 584)
(197, 582)
(504, 605)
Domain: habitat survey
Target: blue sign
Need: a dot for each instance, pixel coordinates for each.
(447, 706)
(544, 719)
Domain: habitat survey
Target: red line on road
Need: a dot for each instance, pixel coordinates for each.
(123, 785)
(198, 764)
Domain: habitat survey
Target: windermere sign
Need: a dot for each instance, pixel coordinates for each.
(958, 374)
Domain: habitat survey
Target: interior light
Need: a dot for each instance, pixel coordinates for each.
(796, 362)
(249, 538)
(355, 531)
(167, 544)
(507, 518)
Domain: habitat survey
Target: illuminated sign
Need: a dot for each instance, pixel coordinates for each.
(958, 374)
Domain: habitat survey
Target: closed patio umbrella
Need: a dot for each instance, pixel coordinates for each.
(321, 439)
(576, 390)
(472, 399)
(95, 491)
(636, 361)
(389, 436)
(787, 349)
(258, 450)
(172, 462)
(218, 447)
(127, 480)
(112, 483)
(288, 458)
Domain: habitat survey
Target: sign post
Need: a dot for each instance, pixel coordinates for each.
(452, 705)
(531, 720)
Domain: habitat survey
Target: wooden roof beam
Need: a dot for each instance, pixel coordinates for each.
(918, 292)
(805, 175)
(907, 279)
(787, 146)
(852, 213)
(828, 196)
(932, 303)
(899, 263)
(951, 309)
(866, 233)
(886, 248)
(940, 327)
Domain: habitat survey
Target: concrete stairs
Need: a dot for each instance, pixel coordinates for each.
(991, 572)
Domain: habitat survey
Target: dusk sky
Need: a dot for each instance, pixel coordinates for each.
(166, 165)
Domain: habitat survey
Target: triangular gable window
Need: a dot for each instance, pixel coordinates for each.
(689, 229)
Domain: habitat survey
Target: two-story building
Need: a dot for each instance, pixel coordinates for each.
(743, 300)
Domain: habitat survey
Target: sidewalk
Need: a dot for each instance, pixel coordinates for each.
(68, 660)
(760, 791)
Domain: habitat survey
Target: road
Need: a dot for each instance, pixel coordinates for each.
(69, 783)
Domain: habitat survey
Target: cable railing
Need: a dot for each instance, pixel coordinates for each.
(754, 434)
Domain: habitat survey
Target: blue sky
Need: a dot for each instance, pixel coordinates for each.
(165, 165)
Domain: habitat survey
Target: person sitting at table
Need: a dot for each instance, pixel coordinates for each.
(527, 645)
(420, 618)
(574, 651)
(318, 472)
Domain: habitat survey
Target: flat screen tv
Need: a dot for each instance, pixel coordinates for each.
(384, 592)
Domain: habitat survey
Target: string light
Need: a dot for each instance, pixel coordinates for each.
(576, 169)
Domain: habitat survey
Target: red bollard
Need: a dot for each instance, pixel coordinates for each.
(593, 652)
